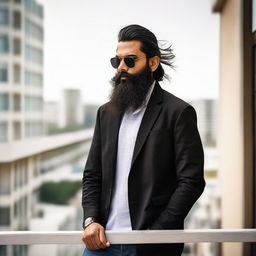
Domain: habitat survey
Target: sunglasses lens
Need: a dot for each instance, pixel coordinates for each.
(129, 62)
(115, 62)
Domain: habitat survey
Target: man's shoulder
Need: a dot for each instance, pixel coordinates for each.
(170, 101)
(174, 107)
(105, 107)
(107, 110)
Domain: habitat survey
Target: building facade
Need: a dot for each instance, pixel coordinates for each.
(237, 119)
(21, 69)
(24, 167)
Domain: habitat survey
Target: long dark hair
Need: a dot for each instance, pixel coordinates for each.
(149, 45)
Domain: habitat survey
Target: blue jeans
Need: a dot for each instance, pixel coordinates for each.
(113, 250)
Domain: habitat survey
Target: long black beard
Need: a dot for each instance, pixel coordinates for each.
(129, 94)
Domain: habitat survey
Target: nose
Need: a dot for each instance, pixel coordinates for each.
(122, 66)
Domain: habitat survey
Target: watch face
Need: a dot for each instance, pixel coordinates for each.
(88, 221)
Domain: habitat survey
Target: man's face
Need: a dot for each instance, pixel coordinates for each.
(130, 84)
(130, 48)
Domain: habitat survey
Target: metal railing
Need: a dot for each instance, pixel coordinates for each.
(132, 237)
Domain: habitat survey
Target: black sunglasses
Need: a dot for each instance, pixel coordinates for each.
(129, 61)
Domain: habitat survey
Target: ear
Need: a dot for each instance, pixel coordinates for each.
(154, 63)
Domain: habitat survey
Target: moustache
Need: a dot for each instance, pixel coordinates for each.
(118, 76)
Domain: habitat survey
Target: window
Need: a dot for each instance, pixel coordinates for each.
(16, 175)
(33, 30)
(16, 46)
(3, 72)
(34, 7)
(33, 54)
(17, 19)
(33, 79)
(33, 129)
(5, 179)
(16, 130)
(27, 78)
(3, 131)
(16, 210)
(28, 5)
(40, 11)
(25, 207)
(20, 180)
(19, 250)
(33, 103)
(4, 216)
(16, 102)
(3, 250)
(4, 44)
(16, 73)
(28, 53)
(4, 102)
(28, 130)
(4, 16)
(26, 177)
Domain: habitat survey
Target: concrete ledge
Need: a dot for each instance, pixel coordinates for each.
(12, 151)
(132, 237)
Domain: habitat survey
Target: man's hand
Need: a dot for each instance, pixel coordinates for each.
(94, 237)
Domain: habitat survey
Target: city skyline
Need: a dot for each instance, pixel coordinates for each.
(80, 39)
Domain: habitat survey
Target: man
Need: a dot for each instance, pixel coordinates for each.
(145, 167)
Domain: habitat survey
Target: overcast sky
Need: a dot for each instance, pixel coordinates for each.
(81, 37)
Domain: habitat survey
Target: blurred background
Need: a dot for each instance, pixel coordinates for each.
(55, 73)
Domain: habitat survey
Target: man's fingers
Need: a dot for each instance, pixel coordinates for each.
(89, 244)
(94, 243)
(102, 237)
(96, 240)
(86, 240)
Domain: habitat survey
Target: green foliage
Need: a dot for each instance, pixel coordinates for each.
(54, 130)
(59, 193)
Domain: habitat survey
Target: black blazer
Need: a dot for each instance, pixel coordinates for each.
(166, 176)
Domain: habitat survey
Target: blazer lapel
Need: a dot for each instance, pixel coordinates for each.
(152, 111)
(113, 123)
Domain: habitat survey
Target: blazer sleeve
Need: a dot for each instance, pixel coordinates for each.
(91, 182)
(189, 163)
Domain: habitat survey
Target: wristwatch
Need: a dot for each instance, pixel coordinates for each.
(88, 221)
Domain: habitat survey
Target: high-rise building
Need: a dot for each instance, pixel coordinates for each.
(21, 69)
(90, 112)
(51, 111)
(71, 108)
